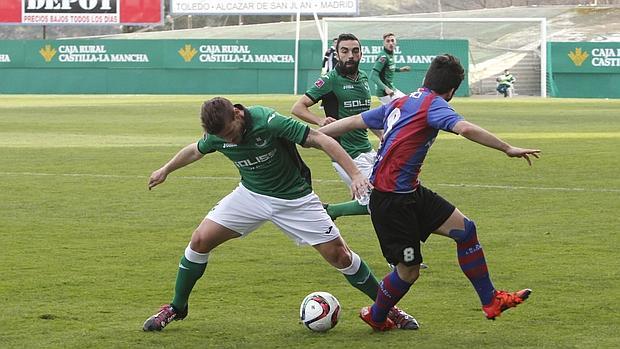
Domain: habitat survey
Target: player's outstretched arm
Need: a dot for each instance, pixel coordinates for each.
(301, 109)
(184, 157)
(479, 135)
(343, 126)
(360, 185)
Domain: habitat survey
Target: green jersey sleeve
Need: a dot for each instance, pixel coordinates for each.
(375, 74)
(204, 144)
(288, 128)
(380, 63)
(321, 87)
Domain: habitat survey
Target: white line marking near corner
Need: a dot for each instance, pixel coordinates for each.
(452, 185)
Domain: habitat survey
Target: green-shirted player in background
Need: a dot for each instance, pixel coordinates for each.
(383, 71)
(344, 92)
(275, 186)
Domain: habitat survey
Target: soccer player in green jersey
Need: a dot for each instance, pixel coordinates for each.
(275, 186)
(344, 92)
(383, 71)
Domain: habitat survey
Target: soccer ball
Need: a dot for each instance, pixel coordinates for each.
(319, 311)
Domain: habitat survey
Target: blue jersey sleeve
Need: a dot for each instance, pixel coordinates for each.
(441, 116)
(373, 118)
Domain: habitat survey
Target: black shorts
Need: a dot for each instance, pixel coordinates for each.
(401, 221)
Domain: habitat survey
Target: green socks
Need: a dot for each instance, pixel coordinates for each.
(349, 208)
(364, 280)
(187, 276)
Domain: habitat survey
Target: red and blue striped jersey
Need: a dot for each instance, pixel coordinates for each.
(410, 125)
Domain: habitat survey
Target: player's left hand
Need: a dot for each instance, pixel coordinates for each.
(328, 120)
(360, 186)
(515, 152)
(405, 68)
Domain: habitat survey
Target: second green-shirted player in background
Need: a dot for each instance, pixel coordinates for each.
(382, 74)
(344, 92)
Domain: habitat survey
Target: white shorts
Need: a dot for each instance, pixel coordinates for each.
(364, 162)
(304, 220)
(387, 99)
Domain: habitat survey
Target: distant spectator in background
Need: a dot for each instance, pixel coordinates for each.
(505, 84)
(330, 58)
(383, 71)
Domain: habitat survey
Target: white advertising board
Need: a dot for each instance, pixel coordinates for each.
(265, 7)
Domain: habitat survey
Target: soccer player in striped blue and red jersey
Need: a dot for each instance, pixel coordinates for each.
(403, 211)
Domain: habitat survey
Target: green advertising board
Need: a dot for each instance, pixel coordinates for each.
(418, 55)
(190, 66)
(584, 69)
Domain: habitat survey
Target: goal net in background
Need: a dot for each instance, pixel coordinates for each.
(495, 44)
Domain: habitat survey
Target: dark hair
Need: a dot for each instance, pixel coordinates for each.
(387, 34)
(346, 37)
(215, 114)
(444, 74)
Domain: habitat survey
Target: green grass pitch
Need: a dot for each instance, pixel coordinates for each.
(87, 253)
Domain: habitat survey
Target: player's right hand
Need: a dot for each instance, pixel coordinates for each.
(157, 177)
(515, 152)
(360, 186)
(389, 91)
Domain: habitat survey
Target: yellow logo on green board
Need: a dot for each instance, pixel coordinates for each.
(578, 57)
(48, 52)
(187, 52)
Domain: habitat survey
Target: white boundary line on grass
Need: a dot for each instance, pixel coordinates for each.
(462, 185)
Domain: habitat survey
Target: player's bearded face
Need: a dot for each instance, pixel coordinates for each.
(350, 66)
(349, 56)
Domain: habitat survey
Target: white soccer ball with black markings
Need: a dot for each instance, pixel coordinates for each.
(319, 311)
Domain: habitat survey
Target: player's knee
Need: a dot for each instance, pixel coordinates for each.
(200, 242)
(465, 234)
(342, 257)
(338, 255)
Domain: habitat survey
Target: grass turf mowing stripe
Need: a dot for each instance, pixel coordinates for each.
(455, 185)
